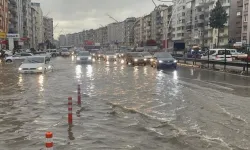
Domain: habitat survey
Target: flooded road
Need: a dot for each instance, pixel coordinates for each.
(124, 107)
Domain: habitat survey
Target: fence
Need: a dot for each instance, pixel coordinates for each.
(245, 65)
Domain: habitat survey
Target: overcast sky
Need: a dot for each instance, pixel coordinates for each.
(77, 15)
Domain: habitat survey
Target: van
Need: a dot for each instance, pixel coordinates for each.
(217, 54)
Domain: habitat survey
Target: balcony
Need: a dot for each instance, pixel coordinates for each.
(13, 2)
(226, 5)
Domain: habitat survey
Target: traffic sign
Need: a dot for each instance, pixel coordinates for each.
(2, 35)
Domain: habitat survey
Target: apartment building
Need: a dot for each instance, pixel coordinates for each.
(128, 31)
(138, 32)
(48, 29)
(4, 22)
(245, 35)
(39, 22)
(167, 28)
(34, 25)
(191, 23)
(116, 33)
(146, 25)
(235, 21)
(62, 40)
(13, 18)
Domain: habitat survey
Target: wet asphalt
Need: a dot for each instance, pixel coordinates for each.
(124, 108)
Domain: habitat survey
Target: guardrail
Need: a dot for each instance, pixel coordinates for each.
(244, 65)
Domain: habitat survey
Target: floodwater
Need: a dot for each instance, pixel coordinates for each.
(124, 108)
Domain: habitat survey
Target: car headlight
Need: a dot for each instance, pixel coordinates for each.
(40, 68)
(160, 61)
(20, 69)
(49, 67)
(115, 56)
(99, 55)
(145, 59)
(175, 61)
(135, 59)
(77, 58)
(107, 56)
(89, 58)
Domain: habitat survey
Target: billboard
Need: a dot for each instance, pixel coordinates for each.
(89, 42)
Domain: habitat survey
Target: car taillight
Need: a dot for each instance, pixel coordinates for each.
(217, 56)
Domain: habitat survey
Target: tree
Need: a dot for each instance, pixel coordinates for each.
(218, 17)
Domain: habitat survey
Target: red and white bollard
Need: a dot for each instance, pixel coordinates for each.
(79, 101)
(70, 118)
(49, 141)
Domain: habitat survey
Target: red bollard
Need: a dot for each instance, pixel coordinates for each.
(49, 141)
(70, 118)
(79, 101)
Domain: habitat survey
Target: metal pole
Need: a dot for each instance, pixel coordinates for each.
(208, 58)
(247, 58)
(225, 60)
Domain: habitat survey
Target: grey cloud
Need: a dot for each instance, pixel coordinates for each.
(76, 15)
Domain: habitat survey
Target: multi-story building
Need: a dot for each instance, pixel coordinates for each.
(190, 22)
(62, 40)
(27, 23)
(3, 17)
(128, 31)
(13, 18)
(34, 26)
(39, 22)
(48, 29)
(116, 33)
(167, 28)
(20, 17)
(235, 21)
(146, 25)
(157, 24)
(245, 35)
(138, 32)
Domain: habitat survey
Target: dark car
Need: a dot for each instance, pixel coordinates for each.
(135, 58)
(163, 59)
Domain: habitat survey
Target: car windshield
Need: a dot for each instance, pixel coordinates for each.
(163, 55)
(83, 54)
(34, 60)
(136, 54)
(146, 54)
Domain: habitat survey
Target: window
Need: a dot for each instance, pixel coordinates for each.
(244, 28)
(246, 7)
(238, 13)
(245, 18)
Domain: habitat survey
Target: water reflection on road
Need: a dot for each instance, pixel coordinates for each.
(124, 107)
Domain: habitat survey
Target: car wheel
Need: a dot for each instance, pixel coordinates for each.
(8, 60)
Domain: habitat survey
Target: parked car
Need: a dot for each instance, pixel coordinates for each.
(217, 54)
(53, 52)
(135, 58)
(237, 55)
(6, 53)
(65, 52)
(163, 59)
(35, 64)
(110, 56)
(18, 56)
(83, 57)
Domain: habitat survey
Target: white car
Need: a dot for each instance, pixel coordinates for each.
(217, 54)
(110, 56)
(20, 56)
(35, 64)
(65, 52)
(147, 56)
(53, 52)
(83, 57)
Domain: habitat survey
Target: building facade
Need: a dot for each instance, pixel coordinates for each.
(138, 32)
(167, 28)
(48, 29)
(13, 18)
(35, 29)
(39, 22)
(27, 23)
(245, 35)
(235, 21)
(128, 31)
(62, 40)
(4, 22)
